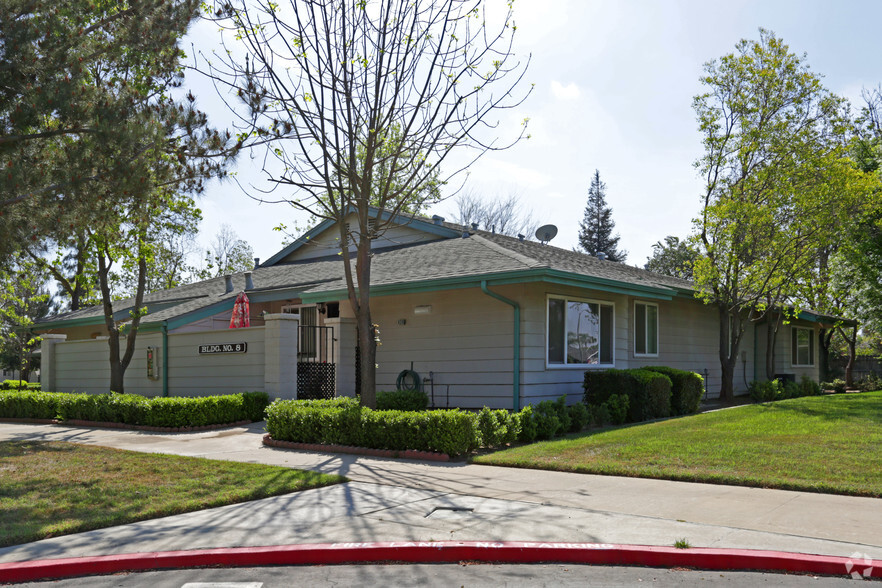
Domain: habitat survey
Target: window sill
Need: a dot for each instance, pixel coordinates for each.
(579, 366)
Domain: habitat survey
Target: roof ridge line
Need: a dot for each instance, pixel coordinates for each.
(528, 261)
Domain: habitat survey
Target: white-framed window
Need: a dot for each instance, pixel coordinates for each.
(645, 329)
(802, 346)
(580, 333)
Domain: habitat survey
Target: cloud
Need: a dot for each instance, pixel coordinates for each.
(568, 92)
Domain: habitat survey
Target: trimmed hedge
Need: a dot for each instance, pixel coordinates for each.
(497, 427)
(648, 392)
(19, 385)
(771, 390)
(343, 422)
(687, 388)
(22, 404)
(132, 409)
(402, 400)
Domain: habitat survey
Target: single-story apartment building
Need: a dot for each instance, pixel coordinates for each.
(482, 318)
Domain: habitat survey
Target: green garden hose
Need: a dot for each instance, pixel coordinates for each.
(408, 380)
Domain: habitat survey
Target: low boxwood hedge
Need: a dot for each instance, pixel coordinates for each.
(687, 388)
(402, 400)
(648, 392)
(19, 385)
(132, 409)
(343, 422)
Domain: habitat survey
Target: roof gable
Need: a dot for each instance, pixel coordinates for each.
(323, 240)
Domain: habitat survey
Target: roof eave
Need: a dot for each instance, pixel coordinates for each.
(545, 275)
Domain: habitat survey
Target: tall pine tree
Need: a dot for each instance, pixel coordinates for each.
(596, 228)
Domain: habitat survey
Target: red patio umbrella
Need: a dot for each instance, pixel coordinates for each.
(240, 316)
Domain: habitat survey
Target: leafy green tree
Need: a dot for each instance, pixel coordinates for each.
(170, 233)
(74, 87)
(859, 257)
(95, 148)
(67, 259)
(672, 257)
(596, 228)
(326, 84)
(777, 178)
(24, 298)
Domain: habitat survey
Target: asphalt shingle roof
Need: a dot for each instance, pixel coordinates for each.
(480, 254)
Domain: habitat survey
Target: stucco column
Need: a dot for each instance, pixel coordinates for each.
(344, 354)
(280, 352)
(47, 361)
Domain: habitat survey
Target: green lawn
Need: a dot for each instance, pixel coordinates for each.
(51, 489)
(821, 444)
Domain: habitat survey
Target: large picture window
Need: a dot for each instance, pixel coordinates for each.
(645, 329)
(580, 333)
(802, 346)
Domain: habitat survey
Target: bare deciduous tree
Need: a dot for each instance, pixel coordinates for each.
(504, 215)
(227, 254)
(326, 82)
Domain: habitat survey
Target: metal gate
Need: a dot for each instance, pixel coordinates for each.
(316, 370)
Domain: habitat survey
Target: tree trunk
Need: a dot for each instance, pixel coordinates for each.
(825, 336)
(366, 331)
(852, 344)
(119, 364)
(727, 361)
(771, 339)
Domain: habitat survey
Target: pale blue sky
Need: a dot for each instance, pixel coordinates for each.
(614, 83)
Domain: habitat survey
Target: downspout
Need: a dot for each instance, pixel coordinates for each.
(164, 328)
(516, 376)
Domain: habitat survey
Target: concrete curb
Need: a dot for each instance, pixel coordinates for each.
(447, 552)
(327, 448)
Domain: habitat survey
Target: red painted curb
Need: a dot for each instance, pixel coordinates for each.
(355, 450)
(447, 552)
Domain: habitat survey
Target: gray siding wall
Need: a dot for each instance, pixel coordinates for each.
(466, 342)
(192, 374)
(82, 366)
(783, 352)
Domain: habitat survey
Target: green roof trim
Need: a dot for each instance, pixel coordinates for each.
(80, 322)
(815, 317)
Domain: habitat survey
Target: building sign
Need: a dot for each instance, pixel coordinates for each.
(224, 348)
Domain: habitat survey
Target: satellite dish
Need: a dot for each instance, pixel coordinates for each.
(546, 233)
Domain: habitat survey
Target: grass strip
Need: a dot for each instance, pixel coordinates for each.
(55, 488)
(820, 444)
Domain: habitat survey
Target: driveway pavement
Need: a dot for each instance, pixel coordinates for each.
(399, 500)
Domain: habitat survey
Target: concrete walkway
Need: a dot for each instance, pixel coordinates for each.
(397, 500)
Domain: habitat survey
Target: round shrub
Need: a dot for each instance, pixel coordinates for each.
(580, 417)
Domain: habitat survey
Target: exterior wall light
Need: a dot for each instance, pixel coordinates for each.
(423, 309)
